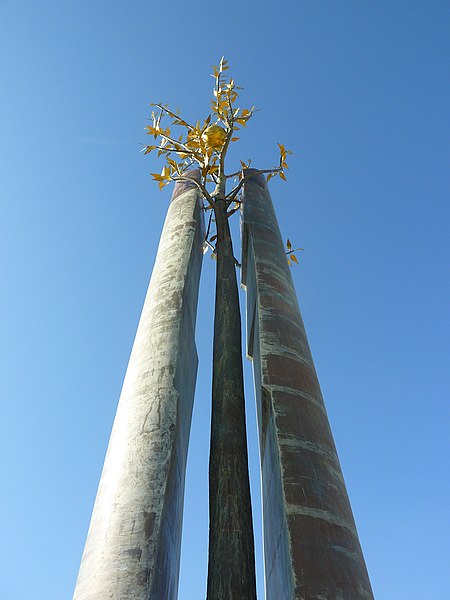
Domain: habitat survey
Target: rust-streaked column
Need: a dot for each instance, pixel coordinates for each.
(311, 547)
(133, 546)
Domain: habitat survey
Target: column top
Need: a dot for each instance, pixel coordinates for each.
(184, 185)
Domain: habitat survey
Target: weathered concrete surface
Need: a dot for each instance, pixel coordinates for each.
(311, 547)
(133, 546)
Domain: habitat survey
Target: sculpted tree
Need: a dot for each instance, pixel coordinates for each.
(231, 565)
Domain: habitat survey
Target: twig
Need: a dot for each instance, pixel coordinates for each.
(175, 116)
(234, 192)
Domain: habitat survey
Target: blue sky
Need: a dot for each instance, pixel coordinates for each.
(359, 90)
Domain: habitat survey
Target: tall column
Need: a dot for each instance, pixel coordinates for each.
(311, 547)
(133, 546)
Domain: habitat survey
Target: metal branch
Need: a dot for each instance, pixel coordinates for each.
(234, 192)
(231, 212)
(232, 175)
(185, 149)
(175, 116)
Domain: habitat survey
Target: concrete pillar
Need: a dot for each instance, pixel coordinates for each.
(311, 547)
(133, 546)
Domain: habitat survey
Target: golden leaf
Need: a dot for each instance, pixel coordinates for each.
(294, 258)
(235, 139)
(282, 175)
(288, 244)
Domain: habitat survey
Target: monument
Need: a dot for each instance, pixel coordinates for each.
(311, 547)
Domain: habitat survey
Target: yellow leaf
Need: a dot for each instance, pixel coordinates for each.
(282, 175)
(288, 244)
(294, 258)
(235, 139)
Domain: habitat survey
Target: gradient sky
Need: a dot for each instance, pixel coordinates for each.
(359, 90)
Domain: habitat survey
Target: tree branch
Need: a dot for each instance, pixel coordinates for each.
(233, 174)
(174, 116)
(184, 149)
(234, 192)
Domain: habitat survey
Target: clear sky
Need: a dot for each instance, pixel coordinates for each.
(359, 90)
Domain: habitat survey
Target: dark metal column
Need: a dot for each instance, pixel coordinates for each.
(311, 546)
